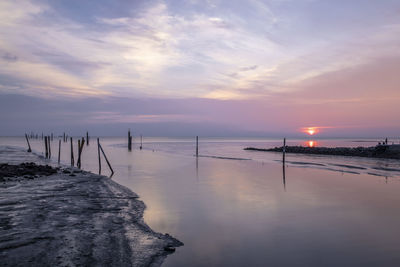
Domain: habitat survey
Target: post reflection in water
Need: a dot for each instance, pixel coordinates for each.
(284, 176)
(197, 168)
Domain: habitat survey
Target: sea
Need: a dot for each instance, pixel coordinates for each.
(232, 207)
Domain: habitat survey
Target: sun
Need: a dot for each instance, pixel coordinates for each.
(310, 130)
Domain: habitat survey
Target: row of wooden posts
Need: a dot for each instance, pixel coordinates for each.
(197, 145)
(32, 135)
(81, 142)
(130, 141)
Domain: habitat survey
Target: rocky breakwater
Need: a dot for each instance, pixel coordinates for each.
(379, 151)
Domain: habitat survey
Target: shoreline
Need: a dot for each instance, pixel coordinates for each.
(72, 217)
(382, 151)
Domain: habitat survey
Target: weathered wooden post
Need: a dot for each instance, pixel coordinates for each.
(105, 157)
(141, 142)
(29, 145)
(87, 138)
(78, 164)
(98, 153)
(197, 146)
(59, 150)
(284, 150)
(81, 143)
(129, 140)
(72, 153)
(49, 145)
(45, 146)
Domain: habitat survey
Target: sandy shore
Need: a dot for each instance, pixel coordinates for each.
(72, 218)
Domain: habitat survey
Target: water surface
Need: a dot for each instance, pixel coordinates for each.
(315, 210)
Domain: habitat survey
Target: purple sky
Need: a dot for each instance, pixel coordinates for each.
(201, 67)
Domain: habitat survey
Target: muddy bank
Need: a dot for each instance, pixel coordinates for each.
(22, 171)
(68, 217)
(370, 152)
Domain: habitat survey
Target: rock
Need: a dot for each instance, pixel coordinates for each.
(169, 249)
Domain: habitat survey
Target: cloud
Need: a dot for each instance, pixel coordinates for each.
(182, 50)
(9, 57)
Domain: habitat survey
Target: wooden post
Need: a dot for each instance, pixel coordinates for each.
(81, 143)
(283, 163)
(72, 153)
(129, 140)
(98, 152)
(45, 146)
(87, 138)
(284, 150)
(64, 137)
(29, 145)
(105, 157)
(80, 151)
(141, 142)
(49, 145)
(197, 146)
(59, 150)
(51, 136)
(78, 164)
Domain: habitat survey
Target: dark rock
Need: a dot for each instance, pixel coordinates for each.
(25, 170)
(380, 151)
(169, 249)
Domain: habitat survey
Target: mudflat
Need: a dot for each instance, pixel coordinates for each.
(69, 217)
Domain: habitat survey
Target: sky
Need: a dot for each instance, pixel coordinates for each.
(212, 67)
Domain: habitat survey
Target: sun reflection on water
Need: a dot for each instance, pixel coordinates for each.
(311, 143)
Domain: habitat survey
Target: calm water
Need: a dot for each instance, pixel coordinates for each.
(315, 211)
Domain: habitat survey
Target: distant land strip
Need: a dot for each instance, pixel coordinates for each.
(380, 151)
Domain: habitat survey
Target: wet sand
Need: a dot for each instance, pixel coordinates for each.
(71, 218)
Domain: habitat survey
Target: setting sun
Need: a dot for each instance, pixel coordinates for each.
(310, 130)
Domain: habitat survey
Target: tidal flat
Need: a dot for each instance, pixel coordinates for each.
(69, 217)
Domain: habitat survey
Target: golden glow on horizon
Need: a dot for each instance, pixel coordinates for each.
(310, 130)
